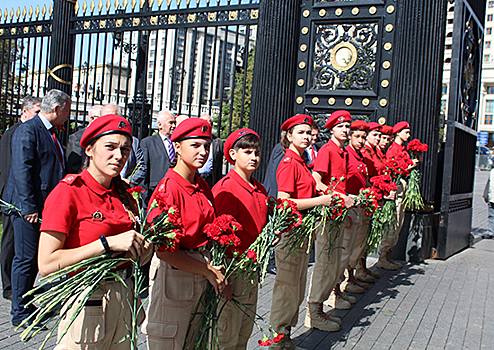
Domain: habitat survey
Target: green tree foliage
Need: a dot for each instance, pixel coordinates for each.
(238, 99)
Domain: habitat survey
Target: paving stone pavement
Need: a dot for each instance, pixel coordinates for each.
(433, 305)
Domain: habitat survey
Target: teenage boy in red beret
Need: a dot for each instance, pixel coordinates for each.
(331, 162)
(243, 197)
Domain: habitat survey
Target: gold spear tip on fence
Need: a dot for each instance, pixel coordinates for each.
(76, 7)
(11, 13)
(100, 5)
(37, 11)
(24, 12)
(133, 4)
(108, 6)
(142, 3)
(92, 6)
(43, 11)
(50, 12)
(84, 7)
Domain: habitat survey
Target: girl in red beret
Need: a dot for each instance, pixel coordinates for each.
(401, 132)
(86, 215)
(178, 279)
(295, 182)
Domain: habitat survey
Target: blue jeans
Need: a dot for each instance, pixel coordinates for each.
(491, 218)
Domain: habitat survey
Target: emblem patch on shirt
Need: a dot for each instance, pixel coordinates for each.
(97, 216)
(287, 159)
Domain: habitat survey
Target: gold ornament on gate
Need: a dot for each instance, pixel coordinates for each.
(331, 101)
(382, 121)
(386, 64)
(25, 30)
(119, 22)
(385, 83)
(211, 16)
(172, 19)
(191, 18)
(303, 47)
(322, 12)
(136, 21)
(301, 82)
(154, 20)
(305, 30)
(102, 24)
(372, 10)
(365, 102)
(38, 29)
(343, 56)
(233, 15)
(348, 101)
(1, 31)
(254, 14)
(306, 13)
(388, 46)
(301, 65)
(355, 11)
(389, 27)
(390, 9)
(13, 31)
(383, 102)
(315, 100)
(300, 100)
(87, 25)
(338, 12)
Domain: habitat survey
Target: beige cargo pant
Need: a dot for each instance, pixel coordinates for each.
(326, 273)
(391, 239)
(351, 234)
(360, 240)
(174, 297)
(100, 327)
(235, 324)
(289, 287)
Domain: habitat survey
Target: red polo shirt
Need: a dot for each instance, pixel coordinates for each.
(396, 149)
(357, 171)
(294, 177)
(194, 202)
(70, 207)
(374, 164)
(380, 154)
(247, 203)
(332, 161)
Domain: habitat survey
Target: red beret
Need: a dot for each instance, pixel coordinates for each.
(360, 125)
(234, 137)
(387, 130)
(337, 118)
(297, 119)
(108, 124)
(400, 126)
(191, 128)
(373, 126)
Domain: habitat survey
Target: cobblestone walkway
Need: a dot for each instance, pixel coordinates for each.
(433, 305)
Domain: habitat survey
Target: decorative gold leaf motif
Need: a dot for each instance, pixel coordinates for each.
(172, 19)
(178, 3)
(37, 11)
(0, 14)
(383, 102)
(365, 102)
(372, 10)
(160, 2)
(355, 11)
(301, 65)
(151, 3)
(76, 7)
(18, 13)
(24, 12)
(100, 5)
(303, 47)
(87, 25)
(12, 13)
(191, 18)
(39, 28)
(331, 101)
(84, 7)
(116, 4)
(133, 4)
(118, 23)
(322, 12)
(136, 21)
(299, 100)
(1, 29)
(50, 11)
(301, 82)
(254, 14)
(168, 2)
(348, 101)
(108, 6)
(315, 100)
(153, 20)
(142, 3)
(102, 24)
(25, 30)
(30, 12)
(13, 31)
(124, 4)
(338, 12)
(211, 16)
(233, 15)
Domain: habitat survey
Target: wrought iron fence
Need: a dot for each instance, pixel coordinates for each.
(192, 57)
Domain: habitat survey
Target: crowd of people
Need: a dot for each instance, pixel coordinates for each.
(80, 193)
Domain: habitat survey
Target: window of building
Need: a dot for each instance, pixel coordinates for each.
(489, 18)
(488, 31)
(487, 58)
(445, 89)
(489, 112)
(490, 4)
(490, 89)
(448, 47)
(150, 74)
(150, 86)
(447, 60)
(153, 42)
(487, 44)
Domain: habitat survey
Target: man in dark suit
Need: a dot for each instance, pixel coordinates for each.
(212, 171)
(30, 107)
(74, 154)
(37, 167)
(158, 151)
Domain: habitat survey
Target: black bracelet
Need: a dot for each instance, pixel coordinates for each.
(104, 242)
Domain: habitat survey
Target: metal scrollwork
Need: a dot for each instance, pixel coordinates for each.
(345, 56)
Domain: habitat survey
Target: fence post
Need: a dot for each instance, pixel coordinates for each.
(274, 72)
(62, 47)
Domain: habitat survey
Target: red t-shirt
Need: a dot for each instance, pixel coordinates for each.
(331, 162)
(70, 207)
(246, 203)
(396, 149)
(194, 202)
(357, 171)
(294, 177)
(374, 164)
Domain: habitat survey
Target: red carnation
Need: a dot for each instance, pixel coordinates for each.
(278, 338)
(252, 255)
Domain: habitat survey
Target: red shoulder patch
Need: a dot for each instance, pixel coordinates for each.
(70, 178)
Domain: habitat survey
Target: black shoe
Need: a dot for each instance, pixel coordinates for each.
(28, 323)
(488, 236)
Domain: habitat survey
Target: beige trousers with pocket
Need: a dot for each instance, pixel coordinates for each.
(391, 239)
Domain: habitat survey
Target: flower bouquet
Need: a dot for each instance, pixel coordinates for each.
(330, 217)
(384, 217)
(80, 281)
(413, 199)
(282, 217)
(367, 199)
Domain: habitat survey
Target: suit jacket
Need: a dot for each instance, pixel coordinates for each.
(135, 169)
(270, 183)
(156, 160)
(6, 156)
(74, 154)
(36, 168)
(217, 149)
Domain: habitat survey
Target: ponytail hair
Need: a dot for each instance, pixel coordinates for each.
(125, 197)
